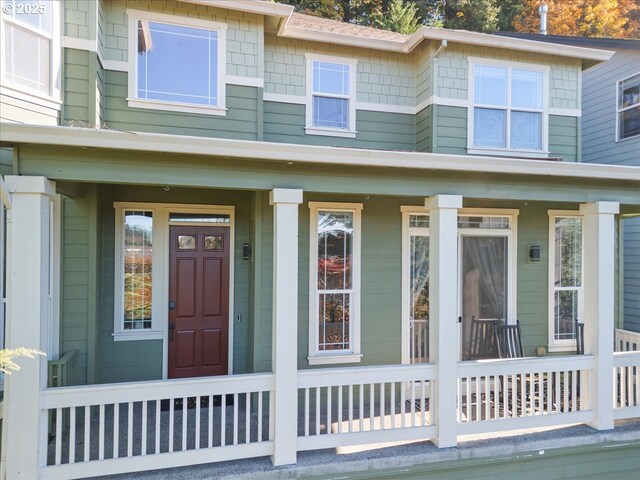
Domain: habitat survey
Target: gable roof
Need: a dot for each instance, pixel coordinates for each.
(294, 25)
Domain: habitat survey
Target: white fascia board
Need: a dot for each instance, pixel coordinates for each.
(254, 150)
(488, 40)
(249, 6)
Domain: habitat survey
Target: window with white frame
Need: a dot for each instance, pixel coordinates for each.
(334, 304)
(509, 108)
(31, 47)
(628, 107)
(137, 269)
(176, 63)
(565, 278)
(331, 83)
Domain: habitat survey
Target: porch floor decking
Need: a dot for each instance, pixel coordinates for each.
(340, 462)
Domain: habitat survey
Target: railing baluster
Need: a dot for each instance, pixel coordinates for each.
(423, 406)
(210, 422)
(185, 409)
(392, 401)
(247, 417)
(223, 420)
(329, 421)
(171, 419)
(87, 433)
(236, 432)
(382, 409)
(58, 453)
(260, 416)
(143, 429)
(130, 431)
(413, 404)
(101, 414)
(350, 408)
(372, 395)
(72, 435)
(306, 412)
(403, 408)
(158, 426)
(318, 410)
(339, 409)
(197, 439)
(361, 413)
(116, 430)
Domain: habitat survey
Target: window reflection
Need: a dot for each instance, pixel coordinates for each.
(138, 263)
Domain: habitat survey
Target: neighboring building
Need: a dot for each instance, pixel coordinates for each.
(238, 231)
(611, 134)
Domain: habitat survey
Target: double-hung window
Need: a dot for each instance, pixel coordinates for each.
(334, 296)
(628, 107)
(509, 109)
(176, 63)
(331, 83)
(565, 278)
(31, 47)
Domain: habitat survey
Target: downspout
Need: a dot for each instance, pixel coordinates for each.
(434, 105)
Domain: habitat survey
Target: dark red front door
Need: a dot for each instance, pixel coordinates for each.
(198, 301)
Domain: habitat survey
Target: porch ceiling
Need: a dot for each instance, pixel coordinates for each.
(104, 156)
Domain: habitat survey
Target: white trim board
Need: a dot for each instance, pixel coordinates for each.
(244, 81)
(270, 151)
(87, 44)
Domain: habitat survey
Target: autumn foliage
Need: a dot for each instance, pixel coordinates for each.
(589, 18)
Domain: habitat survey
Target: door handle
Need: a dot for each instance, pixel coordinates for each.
(172, 327)
(460, 319)
(172, 305)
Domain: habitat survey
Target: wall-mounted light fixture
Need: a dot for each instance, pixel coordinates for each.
(246, 251)
(534, 253)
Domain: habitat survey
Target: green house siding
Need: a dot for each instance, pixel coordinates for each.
(424, 130)
(142, 360)
(239, 123)
(75, 272)
(285, 122)
(563, 137)
(450, 129)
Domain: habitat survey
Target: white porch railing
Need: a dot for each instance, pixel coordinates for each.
(498, 395)
(626, 390)
(363, 405)
(626, 341)
(120, 428)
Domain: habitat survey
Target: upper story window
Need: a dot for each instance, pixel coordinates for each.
(331, 84)
(31, 47)
(628, 107)
(176, 63)
(509, 108)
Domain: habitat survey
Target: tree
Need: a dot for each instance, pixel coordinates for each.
(590, 18)
(399, 17)
(8, 357)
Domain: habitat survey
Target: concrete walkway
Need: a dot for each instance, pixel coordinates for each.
(331, 464)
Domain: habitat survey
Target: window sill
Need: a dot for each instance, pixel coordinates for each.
(335, 359)
(628, 138)
(330, 132)
(134, 335)
(507, 152)
(175, 107)
(568, 347)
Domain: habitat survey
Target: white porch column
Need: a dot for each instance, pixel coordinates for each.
(27, 312)
(443, 309)
(598, 233)
(285, 323)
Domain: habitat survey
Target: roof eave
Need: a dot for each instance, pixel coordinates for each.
(254, 150)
